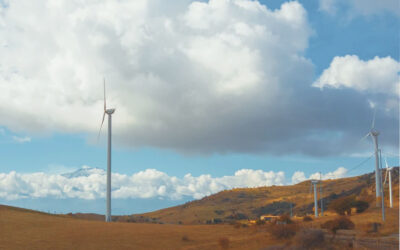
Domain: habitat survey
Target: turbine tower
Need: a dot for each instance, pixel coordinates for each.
(322, 199)
(389, 170)
(109, 112)
(315, 182)
(374, 134)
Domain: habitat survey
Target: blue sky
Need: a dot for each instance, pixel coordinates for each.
(310, 130)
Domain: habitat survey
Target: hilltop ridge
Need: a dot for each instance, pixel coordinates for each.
(251, 203)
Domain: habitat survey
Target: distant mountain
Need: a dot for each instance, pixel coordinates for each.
(85, 171)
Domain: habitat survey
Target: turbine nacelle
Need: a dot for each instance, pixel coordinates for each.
(110, 111)
(106, 111)
(315, 181)
(374, 132)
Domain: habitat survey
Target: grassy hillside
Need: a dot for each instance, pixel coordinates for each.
(27, 229)
(250, 203)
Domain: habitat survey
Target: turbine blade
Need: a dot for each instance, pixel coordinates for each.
(373, 120)
(104, 85)
(365, 136)
(387, 166)
(386, 175)
(98, 136)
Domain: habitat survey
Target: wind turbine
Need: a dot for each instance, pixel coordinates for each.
(374, 134)
(315, 182)
(320, 189)
(389, 170)
(109, 112)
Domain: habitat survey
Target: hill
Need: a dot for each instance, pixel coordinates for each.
(28, 229)
(251, 203)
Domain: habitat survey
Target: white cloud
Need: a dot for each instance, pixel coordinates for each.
(299, 176)
(378, 75)
(179, 74)
(89, 183)
(21, 139)
(361, 7)
(338, 173)
(192, 76)
(328, 6)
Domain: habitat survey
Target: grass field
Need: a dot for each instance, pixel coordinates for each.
(25, 229)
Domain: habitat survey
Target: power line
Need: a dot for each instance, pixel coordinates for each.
(360, 164)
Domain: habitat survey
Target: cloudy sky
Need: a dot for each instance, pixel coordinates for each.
(209, 95)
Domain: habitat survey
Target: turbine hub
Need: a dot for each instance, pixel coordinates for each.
(374, 132)
(110, 111)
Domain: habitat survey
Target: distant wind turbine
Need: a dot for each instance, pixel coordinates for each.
(389, 170)
(322, 199)
(315, 182)
(378, 184)
(109, 112)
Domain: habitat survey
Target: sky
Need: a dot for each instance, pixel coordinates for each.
(209, 95)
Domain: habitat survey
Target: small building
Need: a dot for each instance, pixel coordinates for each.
(268, 217)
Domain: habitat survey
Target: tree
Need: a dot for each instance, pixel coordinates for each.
(343, 205)
(360, 205)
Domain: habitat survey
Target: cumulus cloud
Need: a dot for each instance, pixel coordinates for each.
(299, 176)
(192, 76)
(378, 75)
(89, 183)
(362, 7)
(338, 173)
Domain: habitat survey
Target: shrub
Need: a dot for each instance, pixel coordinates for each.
(360, 205)
(342, 205)
(338, 223)
(282, 231)
(260, 222)
(285, 219)
(185, 238)
(374, 227)
(223, 242)
(307, 218)
(310, 238)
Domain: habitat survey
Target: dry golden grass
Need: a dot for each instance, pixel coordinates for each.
(25, 229)
(373, 214)
(246, 200)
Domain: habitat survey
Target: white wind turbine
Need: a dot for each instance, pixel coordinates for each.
(322, 199)
(389, 170)
(109, 112)
(314, 183)
(374, 134)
